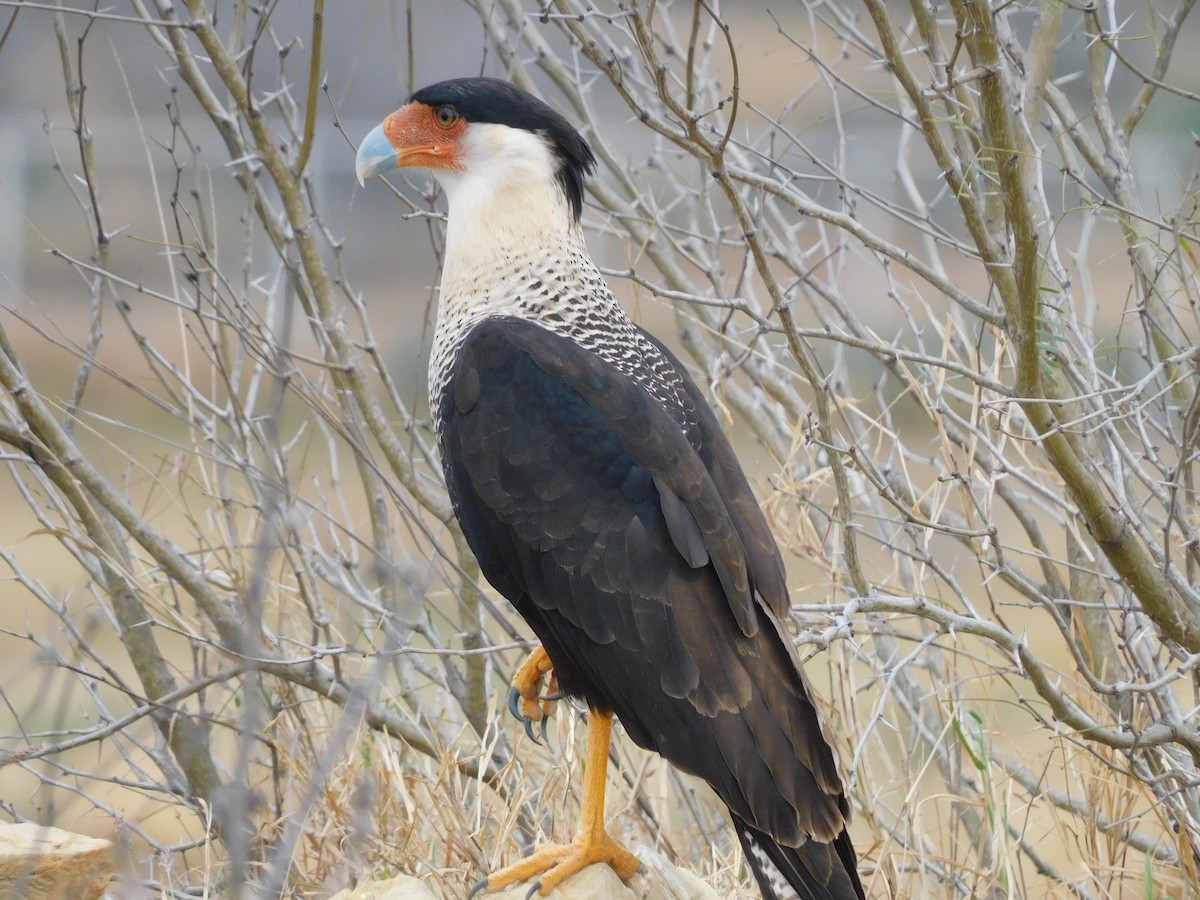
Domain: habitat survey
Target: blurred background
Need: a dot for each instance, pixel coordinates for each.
(228, 382)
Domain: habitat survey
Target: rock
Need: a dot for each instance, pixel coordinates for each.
(599, 881)
(656, 879)
(402, 887)
(45, 863)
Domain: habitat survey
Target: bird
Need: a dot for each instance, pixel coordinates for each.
(603, 500)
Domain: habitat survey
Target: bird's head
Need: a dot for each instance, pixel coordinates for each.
(481, 136)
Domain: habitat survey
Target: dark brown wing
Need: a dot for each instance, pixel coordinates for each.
(708, 440)
(634, 548)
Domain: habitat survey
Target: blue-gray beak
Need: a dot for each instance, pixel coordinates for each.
(375, 155)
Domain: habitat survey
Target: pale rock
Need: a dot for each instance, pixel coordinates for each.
(655, 879)
(402, 887)
(44, 863)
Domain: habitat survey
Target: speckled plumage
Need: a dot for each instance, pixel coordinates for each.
(777, 886)
(558, 287)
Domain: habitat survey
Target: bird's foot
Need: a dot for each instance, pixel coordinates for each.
(526, 701)
(553, 864)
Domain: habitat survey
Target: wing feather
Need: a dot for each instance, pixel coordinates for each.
(716, 453)
(685, 532)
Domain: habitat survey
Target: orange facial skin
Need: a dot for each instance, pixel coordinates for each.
(426, 136)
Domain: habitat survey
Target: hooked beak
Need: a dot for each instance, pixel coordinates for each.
(375, 155)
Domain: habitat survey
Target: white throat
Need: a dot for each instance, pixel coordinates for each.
(512, 247)
(505, 202)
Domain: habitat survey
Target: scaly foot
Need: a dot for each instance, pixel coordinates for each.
(525, 699)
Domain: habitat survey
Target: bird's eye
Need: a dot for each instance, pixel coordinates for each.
(446, 115)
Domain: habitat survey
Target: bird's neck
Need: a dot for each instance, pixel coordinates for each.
(516, 252)
(495, 230)
(521, 255)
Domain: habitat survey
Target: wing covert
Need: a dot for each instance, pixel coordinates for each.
(607, 424)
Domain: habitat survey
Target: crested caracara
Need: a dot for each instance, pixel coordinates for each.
(601, 497)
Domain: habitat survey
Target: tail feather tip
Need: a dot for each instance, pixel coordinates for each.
(813, 871)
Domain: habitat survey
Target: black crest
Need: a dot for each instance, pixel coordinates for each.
(499, 102)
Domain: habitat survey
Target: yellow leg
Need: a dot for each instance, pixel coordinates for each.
(555, 863)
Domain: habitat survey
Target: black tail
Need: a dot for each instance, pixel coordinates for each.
(812, 871)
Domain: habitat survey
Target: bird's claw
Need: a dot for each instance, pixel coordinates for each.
(528, 723)
(514, 703)
(525, 700)
(537, 886)
(544, 709)
(479, 886)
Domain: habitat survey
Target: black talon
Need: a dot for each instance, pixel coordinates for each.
(529, 730)
(543, 724)
(550, 698)
(480, 886)
(537, 886)
(514, 703)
